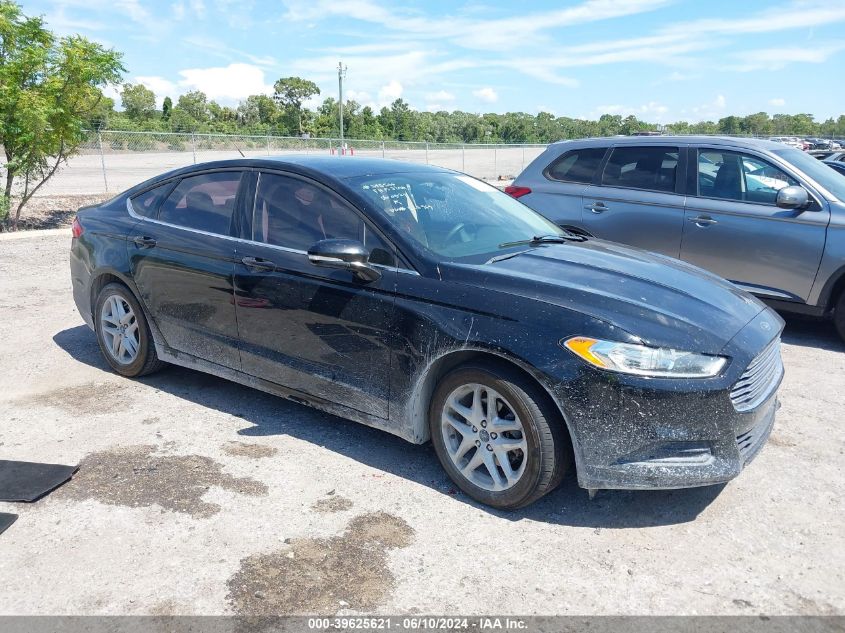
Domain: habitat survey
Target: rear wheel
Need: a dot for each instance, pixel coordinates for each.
(839, 315)
(123, 334)
(497, 436)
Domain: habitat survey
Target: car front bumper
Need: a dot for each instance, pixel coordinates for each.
(638, 433)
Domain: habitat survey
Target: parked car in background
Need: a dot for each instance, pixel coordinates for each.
(769, 218)
(433, 306)
(837, 165)
(791, 141)
(822, 144)
(828, 155)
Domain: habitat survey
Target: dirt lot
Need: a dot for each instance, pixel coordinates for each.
(197, 496)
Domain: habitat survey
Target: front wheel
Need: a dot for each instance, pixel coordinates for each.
(497, 435)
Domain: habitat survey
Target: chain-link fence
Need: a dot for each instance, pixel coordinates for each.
(112, 161)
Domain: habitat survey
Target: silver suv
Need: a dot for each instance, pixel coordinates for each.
(769, 218)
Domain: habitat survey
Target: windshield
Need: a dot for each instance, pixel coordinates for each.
(828, 178)
(452, 215)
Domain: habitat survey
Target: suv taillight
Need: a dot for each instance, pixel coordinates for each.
(76, 228)
(517, 192)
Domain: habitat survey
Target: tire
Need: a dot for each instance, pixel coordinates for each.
(839, 315)
(539, 463)
(113, 298)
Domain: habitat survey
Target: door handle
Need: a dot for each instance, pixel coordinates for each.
(703, 221)
(144, 241)
(597, 207)
(258, 263)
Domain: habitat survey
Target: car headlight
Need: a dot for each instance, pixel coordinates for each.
(641, 360)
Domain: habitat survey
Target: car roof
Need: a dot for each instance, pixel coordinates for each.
(338, 167)
(736, 141)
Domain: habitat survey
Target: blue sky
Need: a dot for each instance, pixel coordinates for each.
(663, 60)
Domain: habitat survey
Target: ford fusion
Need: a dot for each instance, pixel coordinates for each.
(432, 306)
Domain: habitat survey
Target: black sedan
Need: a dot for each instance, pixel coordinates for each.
(430, 305)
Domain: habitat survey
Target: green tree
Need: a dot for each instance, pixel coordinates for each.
(166, 108)
(195, 105)
(290, 92)
(139, 102)
(258, 110)
(49, 86)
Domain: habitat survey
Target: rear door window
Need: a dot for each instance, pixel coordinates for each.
(579, 165)
(652, 168)
(203, 202)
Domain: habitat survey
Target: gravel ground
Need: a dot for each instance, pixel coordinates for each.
(50, 212)
(198, 496)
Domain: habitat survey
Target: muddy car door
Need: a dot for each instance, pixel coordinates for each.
(320, 331)
(182, 260)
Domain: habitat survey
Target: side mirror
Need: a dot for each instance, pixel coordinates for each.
(793, 198)
(345, 255)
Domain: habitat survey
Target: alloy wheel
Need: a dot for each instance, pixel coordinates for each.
(119, 328)
(484, 437)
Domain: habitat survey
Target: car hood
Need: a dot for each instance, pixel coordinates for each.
(658, 299)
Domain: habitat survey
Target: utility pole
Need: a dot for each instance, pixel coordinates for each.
(341, 73)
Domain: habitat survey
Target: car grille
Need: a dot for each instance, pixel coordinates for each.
(750, 442)
(759, 380)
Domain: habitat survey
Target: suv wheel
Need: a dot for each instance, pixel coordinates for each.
(497, 436)
(123, 334)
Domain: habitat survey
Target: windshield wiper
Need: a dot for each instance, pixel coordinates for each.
(501, 258)
(537, 240)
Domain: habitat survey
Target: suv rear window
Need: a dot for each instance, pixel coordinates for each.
(579, 165)
(653, 168)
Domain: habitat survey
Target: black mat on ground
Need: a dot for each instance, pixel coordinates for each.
(28, 481)
(6, 520)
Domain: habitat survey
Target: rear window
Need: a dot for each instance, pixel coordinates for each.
(146, 204)
(652, 168)
(204, 202)
(579, 165)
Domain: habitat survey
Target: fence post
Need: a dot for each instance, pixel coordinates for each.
(382, 149)
(426, 152)
(523, 158)
(194, 148)
(102, 160)
(495, 163)
(268, 145)
(463, 158)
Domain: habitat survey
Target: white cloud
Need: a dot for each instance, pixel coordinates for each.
(777, 102)
(777, 58)
(197, 7)
(361, 97)
(221, 50)
(712, 110)
(542, 108)
(440, 95)
(390, 92)
(475, 33)
(651, 111)
(434, 107)
(226, 84)
(794, 15)
(160, 86)
(486, 94)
